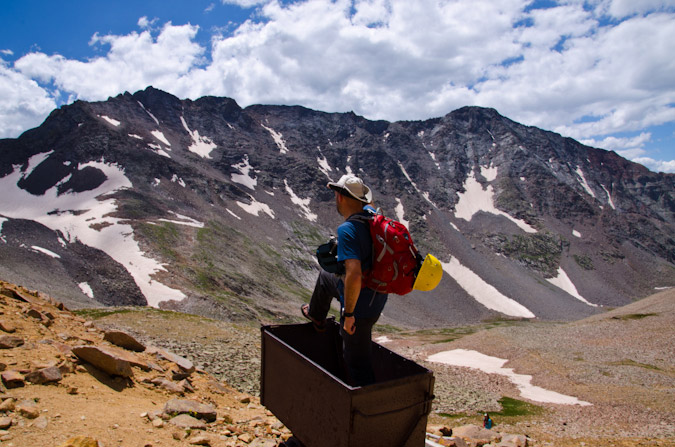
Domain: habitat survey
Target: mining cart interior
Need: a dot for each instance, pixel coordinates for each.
(303, 382)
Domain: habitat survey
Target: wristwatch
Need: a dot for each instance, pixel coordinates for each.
(348, 314)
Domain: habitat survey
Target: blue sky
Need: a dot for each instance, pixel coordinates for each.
(599, 71)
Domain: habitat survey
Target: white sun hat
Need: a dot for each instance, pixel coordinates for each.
(353, 186)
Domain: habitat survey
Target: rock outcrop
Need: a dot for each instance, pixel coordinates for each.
(49, 368)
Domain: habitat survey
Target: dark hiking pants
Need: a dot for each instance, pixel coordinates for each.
(356, 348)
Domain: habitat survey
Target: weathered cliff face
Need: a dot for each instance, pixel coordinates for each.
(207, 207)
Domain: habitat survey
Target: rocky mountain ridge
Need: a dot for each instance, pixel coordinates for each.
(205, 207)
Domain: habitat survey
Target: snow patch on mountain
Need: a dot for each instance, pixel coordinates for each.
(423, 194)
(584, 183)
(255, 207)
(278, 139)
(184, 220)
(114, 122)
(433, 157)
(564, 282)
(148, 112)
(494, 365)
(86, 289)
(244, 177)
(400, 213)
(156, 148)
(490, 174)
(176, 179)
(86, 217)
(302, 203)
(323, 164)
(233, 214)
(475, 199)
(483, 292)
(160, 136)
(609, 197)
(44, 251)
(201, 146)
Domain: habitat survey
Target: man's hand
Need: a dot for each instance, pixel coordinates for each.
(350, 325)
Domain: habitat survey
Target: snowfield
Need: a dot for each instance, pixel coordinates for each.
(494, 365)
(86, 217)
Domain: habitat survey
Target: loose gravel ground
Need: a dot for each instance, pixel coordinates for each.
(623, 362)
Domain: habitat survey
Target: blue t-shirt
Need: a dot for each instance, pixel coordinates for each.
(354, 242)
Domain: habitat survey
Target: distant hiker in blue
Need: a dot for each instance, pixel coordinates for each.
(361, 308)
(487, 422)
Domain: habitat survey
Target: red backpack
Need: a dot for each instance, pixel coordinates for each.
(396, 261)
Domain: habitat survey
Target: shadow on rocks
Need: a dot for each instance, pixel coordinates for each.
(117, 383)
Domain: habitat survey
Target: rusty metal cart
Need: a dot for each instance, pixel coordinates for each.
(303, 384)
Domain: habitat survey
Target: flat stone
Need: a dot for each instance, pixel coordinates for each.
(41, 422)
(11, 293)
(187, 366)
(187, 421)
(124, 340)
(513, 441)
(475, 435)
(246, 437)
(51, 374)
(5, 423)
(186, 385)
(217, 387)
(185, 406)
(80, 441)
(28, 408)
(7, 404)
(35, 313)
(105, 359)
(199, 440)
(10, 342)
(13, 379)
(7, 327)
(168, 385)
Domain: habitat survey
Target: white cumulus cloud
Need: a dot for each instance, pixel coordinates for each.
(585, 69)
(24, 103)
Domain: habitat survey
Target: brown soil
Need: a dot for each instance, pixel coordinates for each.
(112, 410)
(621, 361)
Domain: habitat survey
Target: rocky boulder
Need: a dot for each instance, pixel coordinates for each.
(80, 441)
(184, 406)
(123, 340)
(10, 342)
(105, 359)
(51, 374)
(13, 379)
(187, 421)
(474, 435)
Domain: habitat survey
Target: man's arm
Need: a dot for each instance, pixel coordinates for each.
(352, 291)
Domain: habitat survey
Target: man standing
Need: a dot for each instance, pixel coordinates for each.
(361, 307)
